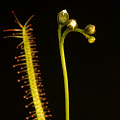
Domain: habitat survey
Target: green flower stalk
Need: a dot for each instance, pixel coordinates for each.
(63, 20)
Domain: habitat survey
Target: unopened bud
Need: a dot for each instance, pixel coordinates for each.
(91, 39)
(63, 17)
(89, 29)
(72, 24)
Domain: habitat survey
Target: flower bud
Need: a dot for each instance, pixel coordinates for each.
(72, 24)
(89, 29)
(63, 17)
(91, 39)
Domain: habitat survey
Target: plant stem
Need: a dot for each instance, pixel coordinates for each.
(62, 54)
(76, 30)
(61, 47)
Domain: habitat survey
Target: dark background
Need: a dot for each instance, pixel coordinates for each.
(93, 69)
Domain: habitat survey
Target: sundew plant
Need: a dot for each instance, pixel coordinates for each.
(28, 63)
(29, 67)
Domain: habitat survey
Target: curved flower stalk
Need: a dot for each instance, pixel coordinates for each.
(72, 26)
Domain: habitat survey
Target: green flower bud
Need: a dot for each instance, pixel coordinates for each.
(72, 24)
(91, 39)
(89, 29)
(63, 17)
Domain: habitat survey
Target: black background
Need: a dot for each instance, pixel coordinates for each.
(93, 69)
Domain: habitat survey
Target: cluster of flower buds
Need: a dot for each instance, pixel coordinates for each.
(90, 30)
(63, 19)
